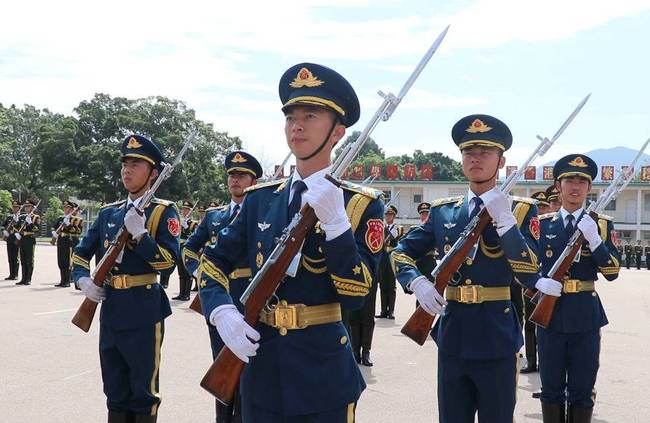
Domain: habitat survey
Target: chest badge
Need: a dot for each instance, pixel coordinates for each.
(550, 236)
(449, 225)
(549, 253)
(110, 225)
(259, 260)
(106, 244)
(263, 226)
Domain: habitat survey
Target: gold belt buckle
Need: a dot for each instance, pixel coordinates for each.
(469, 294)
(286, 317)
(119, 282)
(571, 286)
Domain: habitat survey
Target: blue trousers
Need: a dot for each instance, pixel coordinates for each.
(130, 361)
(253, 414)
(568, 364)
(468, 386)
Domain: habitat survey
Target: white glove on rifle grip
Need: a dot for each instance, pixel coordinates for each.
(134, 222)
(235, 332)
(590, 230)
(430, 300)
(327, 201)
(90, 290)
(499, 207)
(549, 286)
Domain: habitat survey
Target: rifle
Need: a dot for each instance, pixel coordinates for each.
(60, 228)
(12, 222)
(22, 226)
(544, 310)
(223, 376)
(419, 324)
(280, 169)
(83, 318)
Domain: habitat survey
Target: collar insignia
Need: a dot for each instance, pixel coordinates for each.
(305, 79)
(550, 236)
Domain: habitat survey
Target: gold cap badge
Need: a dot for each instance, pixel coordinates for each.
(305, 79)
(133, 143)
(478, 126)
(239, 159)
(578, 162)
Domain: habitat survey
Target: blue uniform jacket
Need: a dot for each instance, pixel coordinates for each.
(489, 330)
(155, 253)
(582, 311)
(309, 370)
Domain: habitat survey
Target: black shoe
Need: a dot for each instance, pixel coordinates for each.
(195, 289)
(391, 316)
(22, 283)
(530, 368)
(537, 395)
(381, 316)
(579, 415)
(553, 413)
(10, 278)
(62, 285)
(365, 359)
(178, 297)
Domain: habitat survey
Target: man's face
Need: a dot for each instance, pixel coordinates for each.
(136, 173)
(306, 128)
(185, 211)
(29, 208)
(555, 205)
(424, 216)
(15, 209)
(238, 182)
(543, 209)
(67, 209)
(480, 163)
(390, 217)
(573, 190)
(201, 215)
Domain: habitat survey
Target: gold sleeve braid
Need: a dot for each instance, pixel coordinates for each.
(80, 261)
(615, 265)
(163, 258)
(351, 287)
(524, 266)
(207, 267)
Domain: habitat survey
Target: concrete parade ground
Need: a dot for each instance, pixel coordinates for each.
(49, 369)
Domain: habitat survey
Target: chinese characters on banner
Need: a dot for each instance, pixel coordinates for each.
(548, 173)
(409, 172)
(607, 173)
(645, 173)
(392, 172)
(426, 172)
(357, 171)
(530, 174)
(510, 170)
(375, 171)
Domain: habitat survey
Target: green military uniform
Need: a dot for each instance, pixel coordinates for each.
(29, 225)
(638, 251)
(387, 283)
(628, 255)
(10, 226)
(184, 277)
(66, 233)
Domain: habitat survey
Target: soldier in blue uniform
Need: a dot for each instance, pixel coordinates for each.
(30, 227)
(10, 226)
(386, 277)
(478, 335)
(243, 171)
(134, 305)
(64, 241)
(188, 226)
(569, 347)
(553, 198)
(303, 371)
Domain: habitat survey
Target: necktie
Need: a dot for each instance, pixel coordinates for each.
(235, 212)
(294, 206)
(477, 207)
(570, 228)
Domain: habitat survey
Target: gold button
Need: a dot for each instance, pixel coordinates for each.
(344, 340)
(468, 281)
(115, 269)
(446, 238)
(283, 331)
(469, 261)
(506, 310)
(320, 250)
(148, 286)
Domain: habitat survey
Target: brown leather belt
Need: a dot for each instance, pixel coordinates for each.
(476, 294)
(286, 317)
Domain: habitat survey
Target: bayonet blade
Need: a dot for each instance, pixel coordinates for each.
(572, 116)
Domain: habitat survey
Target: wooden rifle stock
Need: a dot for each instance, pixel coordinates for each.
(83, 318)
(196, 304)
(222, 377)
(419, 324)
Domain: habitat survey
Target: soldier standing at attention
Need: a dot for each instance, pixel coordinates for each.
(307, 372)
(187, 228)
(11, 225)
(387, 284)
(134, 306)
(478, 335)
(638, 252)
(64, 243)
(628, 254)
(30, 224)
(570, 346)
(646, 251)
(243, 171)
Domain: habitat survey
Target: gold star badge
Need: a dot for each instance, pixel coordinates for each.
(203, 283)
(356, 270)
(524, 254)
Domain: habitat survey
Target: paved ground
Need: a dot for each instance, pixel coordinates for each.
(49, 369)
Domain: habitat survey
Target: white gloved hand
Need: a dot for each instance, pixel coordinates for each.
(55, 235)
(15, 218)
(66, 221)
(5, 233)
(430, 300)
(18, 236)
(134, 222)
(327, 201)
(90, 290)
(28, 219)
(499, 206)
(184, 223)
(394, 232)
(549, 286)
(590, 230)
(235, 332)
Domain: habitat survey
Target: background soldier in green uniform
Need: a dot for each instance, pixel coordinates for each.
(29, 225)
(628, 254)
(64, 242)
(11, 225)
(188, 225)
(387, 283)
(638, 251)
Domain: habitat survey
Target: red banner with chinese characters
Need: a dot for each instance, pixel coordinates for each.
(645, 173)
(409, 172)
(426, 172)
(357, 171)
(510, 170)
(392, 172)
(375, 171)
(548, 173)
(607, 173)
(530, 174)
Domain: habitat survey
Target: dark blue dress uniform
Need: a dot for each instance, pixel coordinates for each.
(132, 315)
(570, 346)
(303, 372)
(11, 225)
(65, 242)
(479, 336)
(27, 243)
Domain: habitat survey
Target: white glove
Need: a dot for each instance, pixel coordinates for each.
(327, 201)
(90, 290)
(235, 332)
(590, 230)
(18, 236)
(549, 286)
(66, 221)
(185, 224)
(28, 219)
(5, 233)
(393, 231)
(499, 206)
(430, 300)
(55, 235)
(134, 222)
(15, 218)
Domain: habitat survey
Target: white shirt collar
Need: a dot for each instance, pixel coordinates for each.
(136, 203)
(308, 180)
(470, 197)
(576, 214)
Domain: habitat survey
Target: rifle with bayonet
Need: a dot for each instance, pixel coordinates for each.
(419, 324)
(27, 215)
(83, 318)
(223, 376)
(12, 222)
(544, 310)
(62, 225)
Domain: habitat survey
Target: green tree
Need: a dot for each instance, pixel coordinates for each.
(53, 212)
(5, 202)
(370, 147)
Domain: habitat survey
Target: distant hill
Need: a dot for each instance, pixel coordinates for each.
(615, 156)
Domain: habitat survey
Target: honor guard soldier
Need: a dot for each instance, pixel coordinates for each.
(301, 372)
(646, 251)
(553, 198)
(543, 206)
(638, 251)
(66, 228)
(629, 250)
(387, 284)
(11, 225)
(478, 335)
(134, 304)
(243, 171)
(570, 346)
(30, 227)
(188, 225)
(427, 263)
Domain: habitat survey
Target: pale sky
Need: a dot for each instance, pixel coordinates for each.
(526, 62)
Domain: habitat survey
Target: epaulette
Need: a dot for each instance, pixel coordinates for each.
(526, 200)
(546, 215)
(441, 201)
(605, 216)
(113, 204)
(360, 189)
(163, 202)
(264, 185)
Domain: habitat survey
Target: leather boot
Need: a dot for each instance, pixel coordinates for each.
(553, 413)
(365, 358)
(579, 415)
(119, 417)
(224, 413)
(144, 418)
